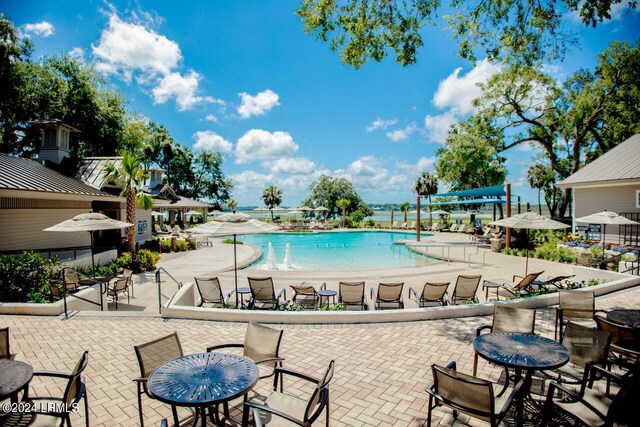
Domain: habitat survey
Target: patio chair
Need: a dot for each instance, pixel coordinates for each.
(211, 292)
(5, 349)
(462, 228)
(507, 319)
(389, 295)
(523, 286)
(579, 306)
(54, 410)
(587, 347)
(625, 341)
(352, 294)
(54, 292)
(403, 226)
(306, 293)
(150, 356)
(71, 281)
(468, 394)
(465, 289)
(412, 225)
(394, 224)
(159, 231)
(436, 227)
(484, 237)
(553, 281)
(591, 407)
(261, 344)
(119, 286)
(263, 293)
(453, 228)
(280, 409)
(431, 292)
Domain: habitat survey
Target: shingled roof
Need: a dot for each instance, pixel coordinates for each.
(617, 166)
(17, 173)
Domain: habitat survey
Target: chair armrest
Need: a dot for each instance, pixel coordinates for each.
(415, 294)
(226, 299)
(285, 371)
(260, 407)
(219, 346)
(140, 380)
(549, 401)
(323, 286)
(482, 328)
(373, 294)
(282, 292)
(270, 359)
(51, 374)
(514, 277)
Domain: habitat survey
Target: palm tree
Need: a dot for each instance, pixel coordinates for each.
(130, 175)
(343, 204)
(426, 185)
(539, 177)
(232, 205)
(404, 208)
(272, 197)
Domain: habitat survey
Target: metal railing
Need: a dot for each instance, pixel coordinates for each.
(159, 283)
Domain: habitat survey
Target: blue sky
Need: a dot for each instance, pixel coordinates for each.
(241, 77)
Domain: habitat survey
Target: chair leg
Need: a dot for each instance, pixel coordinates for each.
(140, 406)
(328, 416)
(245, 416)
(86, 407)
(475, 364)
(429, 409)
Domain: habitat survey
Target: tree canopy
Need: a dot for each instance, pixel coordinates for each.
(516, 31)
(326, 191)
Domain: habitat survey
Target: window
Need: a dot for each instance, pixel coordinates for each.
(64, 139)
(638, 199)
(49, 138)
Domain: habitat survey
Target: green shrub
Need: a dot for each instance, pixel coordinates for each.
(147, 259)
(192, 245)
(230, 241)
(328, 307)
(181, 246)
(291, 306)
(166, 245)
(25, 277)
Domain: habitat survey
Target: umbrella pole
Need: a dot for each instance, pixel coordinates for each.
(93, 262)
(604, 236)
(235, 268)
(526, 265)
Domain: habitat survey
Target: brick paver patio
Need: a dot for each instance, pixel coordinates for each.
(381, 369)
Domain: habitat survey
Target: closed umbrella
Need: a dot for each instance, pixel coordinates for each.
(529, 221)
(234, 224)
(605, 218)
(89, 222)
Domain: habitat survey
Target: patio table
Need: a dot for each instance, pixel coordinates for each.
(625, 316)
(14, 376)
(521, 352)
(202, 380)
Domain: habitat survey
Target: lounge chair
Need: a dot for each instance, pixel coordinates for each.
(211, 292)
(280, 409)
(306, 293)
(468, 394)
(484, 237)
(412, 225)
(577, 305)
(553, 281)
(150, 356)
(452, 229)
(462, 228)
(394, 225)
(465, 289)
(352, 294)
(591, 407)
(431, 292)
(261, 344)
(263, 293)
(159, 231)
(119, 286)
(523, 286)
(403, 226)
(507, 319)
(5, 349)
(53, 410)
(389, 295)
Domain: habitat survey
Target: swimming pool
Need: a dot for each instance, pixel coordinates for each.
(351, 250)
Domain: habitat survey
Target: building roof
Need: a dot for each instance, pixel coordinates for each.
(91, 170)
(17, 173)
(616, 166)
(183, 202)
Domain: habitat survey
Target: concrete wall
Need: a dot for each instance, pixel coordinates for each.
(617, 199)
(57, 308)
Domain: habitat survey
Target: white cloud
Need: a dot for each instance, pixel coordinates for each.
(211, 141)
(437, 127)
(77, 53)
(402, 134)
(424, 164)
(617, 12)
(257, 144)
(257, 105)
(458, 92)
(248, 180)
(381, 124)
(130, 46)
(211, 118)
(182, 88)
(41, 29)
(368, 174)
(291, 166)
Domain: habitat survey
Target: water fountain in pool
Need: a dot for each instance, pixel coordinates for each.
(270, 261)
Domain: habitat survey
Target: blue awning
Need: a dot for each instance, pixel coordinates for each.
(493, 191)
(472, 202)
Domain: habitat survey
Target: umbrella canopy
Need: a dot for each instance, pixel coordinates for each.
(441, 212)
(605, 218)
(277, 208)
(214, 212)
(529, 221)
(296, 212)
(306, 209)
(234, 224)
(193, 213)
(321, 208)
(261, 209)
(156, 213)
(89, 222)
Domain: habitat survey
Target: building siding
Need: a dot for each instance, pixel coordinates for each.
(619, 199)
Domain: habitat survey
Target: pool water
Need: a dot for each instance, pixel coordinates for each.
(357, 250)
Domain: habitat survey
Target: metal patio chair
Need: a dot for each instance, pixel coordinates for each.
(211, 292)
(306, 293)
(575, 305)
(466, 288)
(119, 286)
(431, 292)
(389, 295)
(5, 348)
(352, 294)
(263, 293)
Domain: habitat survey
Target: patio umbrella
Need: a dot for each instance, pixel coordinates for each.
(156, 213)
(321, 208)
(605, 218)
(529, 221)
(305, 209)
(441, 212)
(234, 224)
(193, 213)
(89, 222)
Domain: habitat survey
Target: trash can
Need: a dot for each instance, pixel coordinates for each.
(496, 245)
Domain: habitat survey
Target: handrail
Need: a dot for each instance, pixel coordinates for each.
(64, 291)
(159, 283)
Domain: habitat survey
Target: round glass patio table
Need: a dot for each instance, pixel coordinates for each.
(14, 376)
(521, 352)
(202, 380)
(625, 316)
